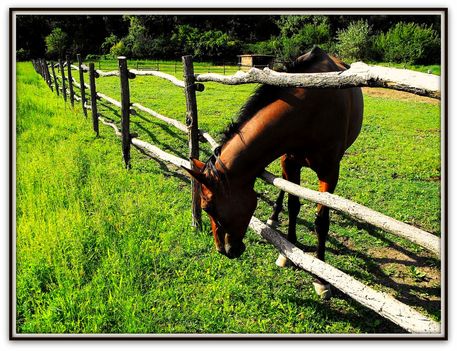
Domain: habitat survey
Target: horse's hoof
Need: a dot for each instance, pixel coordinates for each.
(324, 291)
(283, 261)
(272, 223)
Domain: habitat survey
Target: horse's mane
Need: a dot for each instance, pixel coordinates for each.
(260, 98)
(265, 94)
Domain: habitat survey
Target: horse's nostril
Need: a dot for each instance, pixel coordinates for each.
(234, 251)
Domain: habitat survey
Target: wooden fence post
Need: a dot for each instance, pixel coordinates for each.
(81, 82)
(56, 84)
(37, 66)
(64, 88)
(70, 82)
(43, 74)
(42, 69)
(93, 97)
(125, 101)
(48, 75)
(45, 71)
(192, 126)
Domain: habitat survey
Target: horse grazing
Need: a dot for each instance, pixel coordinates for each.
(306, 128)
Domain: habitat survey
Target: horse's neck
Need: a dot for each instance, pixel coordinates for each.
(251, 150)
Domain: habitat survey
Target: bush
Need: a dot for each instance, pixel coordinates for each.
(207, 45)
(216, 45)
(22, 55)
(119, 49)
(309, 35)
(108, 43)
(185, 38)
(409, 43)
(267, 47)
(354, 42)
(92, 57)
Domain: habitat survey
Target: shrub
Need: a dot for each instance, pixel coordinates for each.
(267, 47)
(215, 45)
(108, 43)
(210, 44)
(309, 35)
(185, 39)
(92, 57)
(354, 42)
(22, 55)
(119, 49)
(409, 43)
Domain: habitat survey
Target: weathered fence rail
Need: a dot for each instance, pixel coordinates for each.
(385, 305)
(359, 75)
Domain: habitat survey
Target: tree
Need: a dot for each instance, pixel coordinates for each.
(301, 33)
(56, 42)
(354, 42)
(108, 43)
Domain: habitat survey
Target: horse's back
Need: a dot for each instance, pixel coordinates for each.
(331, 118)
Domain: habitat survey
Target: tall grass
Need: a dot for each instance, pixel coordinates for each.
(102, 249)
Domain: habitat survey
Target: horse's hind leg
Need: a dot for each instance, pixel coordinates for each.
(291, 172)
(273, 221)
(327, 183)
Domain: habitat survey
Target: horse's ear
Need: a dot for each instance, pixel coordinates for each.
(197, 163)
(197, 174)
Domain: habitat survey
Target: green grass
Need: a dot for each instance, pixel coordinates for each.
(104, 250)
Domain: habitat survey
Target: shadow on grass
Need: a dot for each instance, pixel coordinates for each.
(115, 112)
(323, 310)
(406, 293)
(165, 169)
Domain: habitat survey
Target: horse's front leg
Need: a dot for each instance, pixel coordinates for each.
(273, 221)
(327, 183)
(291, 172)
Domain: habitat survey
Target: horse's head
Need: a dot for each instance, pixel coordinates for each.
(229, 207)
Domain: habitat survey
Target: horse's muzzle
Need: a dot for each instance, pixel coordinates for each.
(232, 251)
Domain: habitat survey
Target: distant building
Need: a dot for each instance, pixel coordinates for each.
(246, 62)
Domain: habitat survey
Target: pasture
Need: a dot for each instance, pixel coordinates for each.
(104, 250)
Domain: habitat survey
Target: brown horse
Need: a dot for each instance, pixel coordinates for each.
(307, 127)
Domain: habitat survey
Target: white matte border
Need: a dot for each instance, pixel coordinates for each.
(323, 345)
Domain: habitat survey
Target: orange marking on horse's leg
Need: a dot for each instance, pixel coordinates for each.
(324, 186)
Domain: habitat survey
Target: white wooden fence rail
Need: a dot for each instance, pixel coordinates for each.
(359, 75)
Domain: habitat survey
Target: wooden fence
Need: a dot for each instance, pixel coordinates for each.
(358, 75)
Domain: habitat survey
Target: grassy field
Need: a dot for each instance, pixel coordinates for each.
(101, 249)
